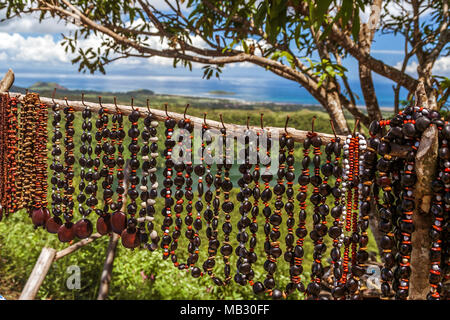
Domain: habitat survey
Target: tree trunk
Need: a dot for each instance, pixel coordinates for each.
(426, 161)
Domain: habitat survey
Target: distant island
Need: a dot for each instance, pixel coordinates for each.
(41, 85)
(222, 93)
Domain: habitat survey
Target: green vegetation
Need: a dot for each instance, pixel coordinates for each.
(222, 92)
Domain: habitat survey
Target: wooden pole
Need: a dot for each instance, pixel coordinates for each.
(105, 278)
(42, 266)
(77, 246)
(38, 274)
(7, 81)
(160, 115)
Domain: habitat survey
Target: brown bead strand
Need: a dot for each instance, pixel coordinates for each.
(40, 197)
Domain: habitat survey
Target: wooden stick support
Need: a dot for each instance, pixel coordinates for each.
(160, 115)
(76, 246)
(38, 274)
(43, 264)
(105, 278)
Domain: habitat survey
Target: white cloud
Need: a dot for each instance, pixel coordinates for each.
(30, 24)
(28, 49)
(382, 51)
(441, 66)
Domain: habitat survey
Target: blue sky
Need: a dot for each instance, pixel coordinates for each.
(33, 51)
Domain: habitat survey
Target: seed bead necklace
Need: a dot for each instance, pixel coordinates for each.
(66, 232)
(266, 196)
(130, 236)
(274, 250)
(149, 135)
(289, 255)
(320, 229)
(335, 231)
(227, 206)
(244, 271)
(438, 207)
(56, 166)
(84, 228)
(169, 123)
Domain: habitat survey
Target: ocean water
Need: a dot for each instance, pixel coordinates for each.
(248, 88)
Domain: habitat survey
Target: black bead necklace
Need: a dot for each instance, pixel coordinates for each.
(227, 206)
(83, 227)
(179, 181)
(320, 229)
(244, 271)
(211, 220)
(272, 246)
(105, 223)
(130, 235)
(149, 154)
(405, 225)
(66, 232)
(109, 162)
(191, 234)
(438, 209)
(169, 123)
(266, 196)
(56, 166)
(290, 256)
(301, 231)
(335, 231)
(384, 165)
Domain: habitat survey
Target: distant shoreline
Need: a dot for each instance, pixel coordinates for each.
(220, 95)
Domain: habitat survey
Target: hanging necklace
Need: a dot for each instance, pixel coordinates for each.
(104, 222)
(211, 216)
(320, 228)
(199, 170)
(40, 197)
(149, 135)
(266, 196)
(9, 148)
(227, 206)
(384, 165)
(27, 166)
(130, 237)
(84, 228)
(66, 232)
(191, 232)
(273, 245)
(295, 269)
(438, 208)
(54, 223)
(406, 226)
(168, 182)
(117, 222)
(252, 257)
(179, 181)
(335, 231)
(301, 231)
(109, 162)
(244, 270)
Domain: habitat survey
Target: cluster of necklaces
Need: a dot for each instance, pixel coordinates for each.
(337, 186)
(23, 154)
